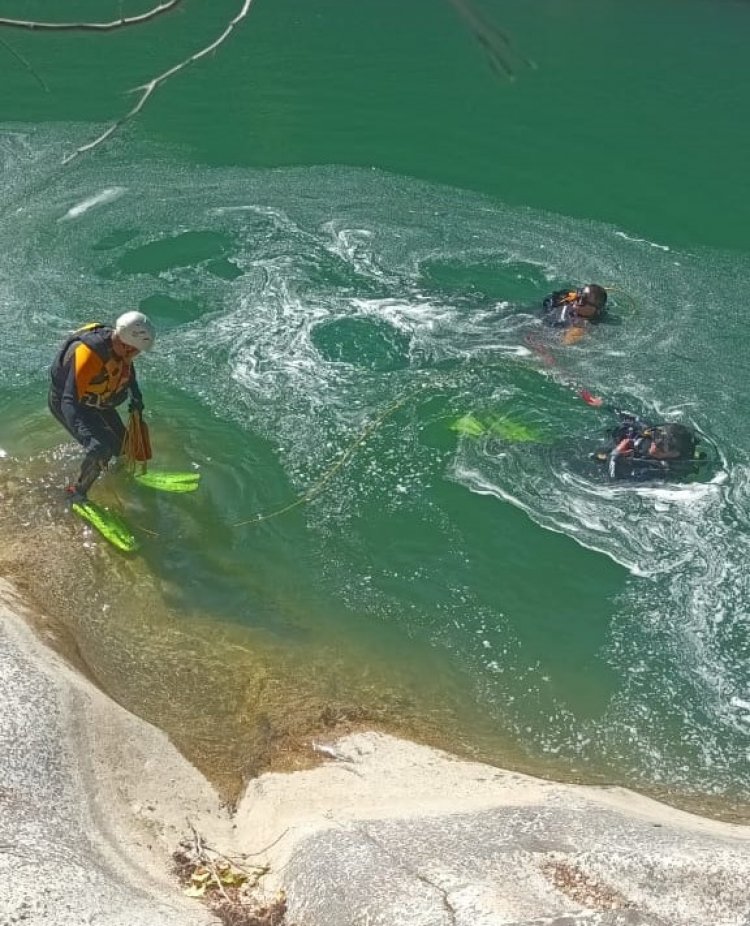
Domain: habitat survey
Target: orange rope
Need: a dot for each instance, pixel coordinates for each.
(134, 447)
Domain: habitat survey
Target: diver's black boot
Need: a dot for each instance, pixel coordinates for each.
(91, 468)
(74, 495)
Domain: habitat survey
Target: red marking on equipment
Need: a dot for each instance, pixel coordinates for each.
(590, 399)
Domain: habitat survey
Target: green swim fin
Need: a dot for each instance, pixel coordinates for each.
(508, 429)
(468, 425)
(110, 525)
(168, 481)
(515, 432)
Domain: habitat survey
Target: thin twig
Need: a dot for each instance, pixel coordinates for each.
(203, 855)
(198, 839)
(217, 879)
(266, 848)
(256, 871)
(25, 63)
(202, 847)
(156, 82)
(95, 27)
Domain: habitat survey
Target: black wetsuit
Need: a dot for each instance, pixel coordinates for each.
(627, 455)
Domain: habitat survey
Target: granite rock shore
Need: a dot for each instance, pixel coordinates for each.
(384, 832)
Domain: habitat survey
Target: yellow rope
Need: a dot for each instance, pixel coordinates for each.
(318, 487)
(367, 432)
(132, 447)
(134, 523)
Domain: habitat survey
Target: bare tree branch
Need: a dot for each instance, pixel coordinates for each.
(95, 27)
(148, 88)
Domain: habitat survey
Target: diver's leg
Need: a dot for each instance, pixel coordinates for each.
(53, 401)
(91, 466)
(115, 430)
(91, 469)
(108, 430)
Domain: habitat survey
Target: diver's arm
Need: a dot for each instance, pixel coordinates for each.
(136, 397)
(574, 333)
(623, 449)
(558, 298)
(81, 368)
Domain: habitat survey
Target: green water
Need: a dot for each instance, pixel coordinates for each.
(339, 222)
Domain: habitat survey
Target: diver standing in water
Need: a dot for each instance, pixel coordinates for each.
(92, 374)
(574, 310)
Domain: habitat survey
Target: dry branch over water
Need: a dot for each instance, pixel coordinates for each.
(494, 42)
(152, 85)
(147, 89)
(123, 21)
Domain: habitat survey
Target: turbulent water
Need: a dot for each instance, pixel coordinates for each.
(321, 330)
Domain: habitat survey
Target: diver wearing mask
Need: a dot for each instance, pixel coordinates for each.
(574, 310)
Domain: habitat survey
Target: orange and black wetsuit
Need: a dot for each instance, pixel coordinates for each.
(89, 381)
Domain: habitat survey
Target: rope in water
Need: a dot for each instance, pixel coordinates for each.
(328, 475)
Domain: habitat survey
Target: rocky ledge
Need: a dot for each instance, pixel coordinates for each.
(94, 802)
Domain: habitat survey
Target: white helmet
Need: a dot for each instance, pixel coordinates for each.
(136, 330)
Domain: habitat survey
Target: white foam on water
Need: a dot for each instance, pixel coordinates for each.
(98, 199)
(583, 529)
(652, 244)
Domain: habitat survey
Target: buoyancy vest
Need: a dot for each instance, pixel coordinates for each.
(110, 384)
(558, 309)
